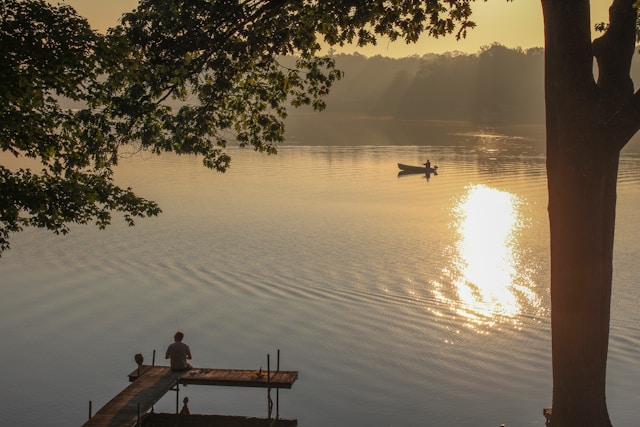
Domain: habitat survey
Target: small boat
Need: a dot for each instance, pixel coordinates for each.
(417, 169)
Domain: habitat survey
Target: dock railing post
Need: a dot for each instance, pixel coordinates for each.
(153, 360)
(177, 397)
(278, 390)
(90, 414)
(269, 401)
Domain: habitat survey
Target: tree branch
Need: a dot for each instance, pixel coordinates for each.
(614, 51)
(625, 122)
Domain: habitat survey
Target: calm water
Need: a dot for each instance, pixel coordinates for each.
(401, 301)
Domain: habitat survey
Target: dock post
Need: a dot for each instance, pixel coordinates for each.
(177, 398)
(153, 360)
(90, 414)
(269, 401)
(278, 390)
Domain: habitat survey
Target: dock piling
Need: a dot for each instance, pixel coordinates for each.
(269, 401)
(177, 398)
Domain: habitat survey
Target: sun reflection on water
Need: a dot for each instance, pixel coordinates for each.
(488, 282)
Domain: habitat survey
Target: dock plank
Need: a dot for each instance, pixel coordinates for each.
(231, 377)
(122, 410)
(239, 378)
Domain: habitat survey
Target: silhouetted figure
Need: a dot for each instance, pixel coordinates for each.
(185, 409)
(428, 164)
(179, 353)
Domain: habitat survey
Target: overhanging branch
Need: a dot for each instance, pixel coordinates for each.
(614, 52)
(626, 122)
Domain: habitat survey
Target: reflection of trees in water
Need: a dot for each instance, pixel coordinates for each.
(489, 150)
(347, 129)
(496, 154)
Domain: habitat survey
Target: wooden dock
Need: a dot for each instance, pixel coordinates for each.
(150, 383)
(123, 409)
(228, 377)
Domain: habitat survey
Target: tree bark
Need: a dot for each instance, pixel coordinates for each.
(582, 166)
(582, 200)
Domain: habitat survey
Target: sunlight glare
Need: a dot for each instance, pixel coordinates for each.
(488, 281)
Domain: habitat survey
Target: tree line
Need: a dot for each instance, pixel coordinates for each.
(497, 85)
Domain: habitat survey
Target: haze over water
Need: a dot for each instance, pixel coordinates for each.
(401, 301)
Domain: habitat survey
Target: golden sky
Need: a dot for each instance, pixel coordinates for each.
(515, 23)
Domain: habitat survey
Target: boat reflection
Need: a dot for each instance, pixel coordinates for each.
(426, 175)
(487, 282)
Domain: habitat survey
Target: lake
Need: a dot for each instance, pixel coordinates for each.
(401, 300)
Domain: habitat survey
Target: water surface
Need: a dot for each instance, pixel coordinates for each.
(402, 301)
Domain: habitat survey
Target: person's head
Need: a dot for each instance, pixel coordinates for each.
(178, 336)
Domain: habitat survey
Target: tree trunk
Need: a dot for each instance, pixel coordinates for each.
(582, 200)
(582, 166)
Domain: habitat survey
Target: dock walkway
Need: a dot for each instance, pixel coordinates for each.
(150, 383)
(123, 409)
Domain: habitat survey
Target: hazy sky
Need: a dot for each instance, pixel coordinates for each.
(513, 24)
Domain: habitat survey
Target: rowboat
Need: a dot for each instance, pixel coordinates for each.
(417, 169)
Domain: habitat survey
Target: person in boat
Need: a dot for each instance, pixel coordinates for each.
(179, 353)
(428, 164)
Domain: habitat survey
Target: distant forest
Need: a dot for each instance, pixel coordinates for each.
(497, 85)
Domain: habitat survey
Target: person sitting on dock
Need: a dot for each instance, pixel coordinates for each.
(179, 352)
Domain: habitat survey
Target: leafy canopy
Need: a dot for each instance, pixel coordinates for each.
(48, 54)
(176, 76)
